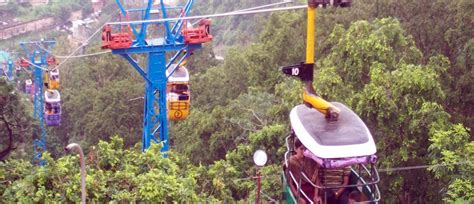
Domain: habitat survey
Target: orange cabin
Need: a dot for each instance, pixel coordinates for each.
(201, 34)
(115, 41)
(51, 60)
(23, 63)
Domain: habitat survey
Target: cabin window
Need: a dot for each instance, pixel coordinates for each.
(48, 108)
(179, 88)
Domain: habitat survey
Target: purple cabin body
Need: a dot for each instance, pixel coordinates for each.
(52, 109)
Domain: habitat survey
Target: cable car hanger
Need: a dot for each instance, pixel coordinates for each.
(304, 71)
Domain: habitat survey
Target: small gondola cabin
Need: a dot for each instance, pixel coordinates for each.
(28, 86)
(53, 79)
(52, 109)
(345, 145)
(178, 93)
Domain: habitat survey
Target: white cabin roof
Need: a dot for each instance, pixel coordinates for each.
(54, 72)
(28, 82)
(52, 96)
(347, 137)
(181, 74)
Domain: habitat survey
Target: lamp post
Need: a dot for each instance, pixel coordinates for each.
(260, 159)
(75, 147)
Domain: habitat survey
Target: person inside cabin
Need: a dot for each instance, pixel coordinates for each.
(336, 177)
(299, 164)
(48, 108)
(356, 196)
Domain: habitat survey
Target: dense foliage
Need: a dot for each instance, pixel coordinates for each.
(61, 10)
(16, 125)
(113, 174)
(404, 67)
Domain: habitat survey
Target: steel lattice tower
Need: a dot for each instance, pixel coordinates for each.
(38, 57)
(155, 121)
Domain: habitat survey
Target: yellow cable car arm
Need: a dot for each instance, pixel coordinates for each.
(310, 98)
(305, 71)
(309, 94)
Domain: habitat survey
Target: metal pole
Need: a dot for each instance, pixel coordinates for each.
(310, 39)
(76, 147)
(258, 186)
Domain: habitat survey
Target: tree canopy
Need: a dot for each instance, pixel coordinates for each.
(404, 67)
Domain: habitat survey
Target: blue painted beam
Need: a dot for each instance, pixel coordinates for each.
(156, 48)
(173, 59)
(136, 66)
(179, 62)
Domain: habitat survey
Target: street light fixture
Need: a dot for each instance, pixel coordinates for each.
(260, 159)
(75, 147)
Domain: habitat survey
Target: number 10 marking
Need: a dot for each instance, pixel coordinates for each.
(295, 71)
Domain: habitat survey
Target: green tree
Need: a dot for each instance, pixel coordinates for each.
(100, 98)
(15, 121)
(375, 68)
(453, 149)
(113, 175)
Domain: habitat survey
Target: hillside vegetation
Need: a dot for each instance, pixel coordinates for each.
(404, 67)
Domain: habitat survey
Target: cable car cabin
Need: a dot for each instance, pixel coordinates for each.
(53, 80)
(23, 63)
(52, 109)
(46, 78)
(51, 60)
(198, 35)
(178, 95)
(28, 86)
(111, 40)
(342, 152)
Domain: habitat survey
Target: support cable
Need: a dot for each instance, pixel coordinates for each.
(240, 12)
(379, 170)
(34, 65)
(105, 52)
(254, 8)
(210, 16)
(74, 56)
(423, 166)
(27, 71)
(77, 49)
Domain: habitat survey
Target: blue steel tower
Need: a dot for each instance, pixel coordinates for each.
(134, 38)
(7, 65)
(10, 70)
(38, 58)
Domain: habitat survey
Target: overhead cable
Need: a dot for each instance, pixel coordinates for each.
(34, 65)
(379, 170)
(240, 12)
(74, 56)
(209, 16)
(85, 55)
(257, 7)
(28, 71)
(77, 49)
(423, 166)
